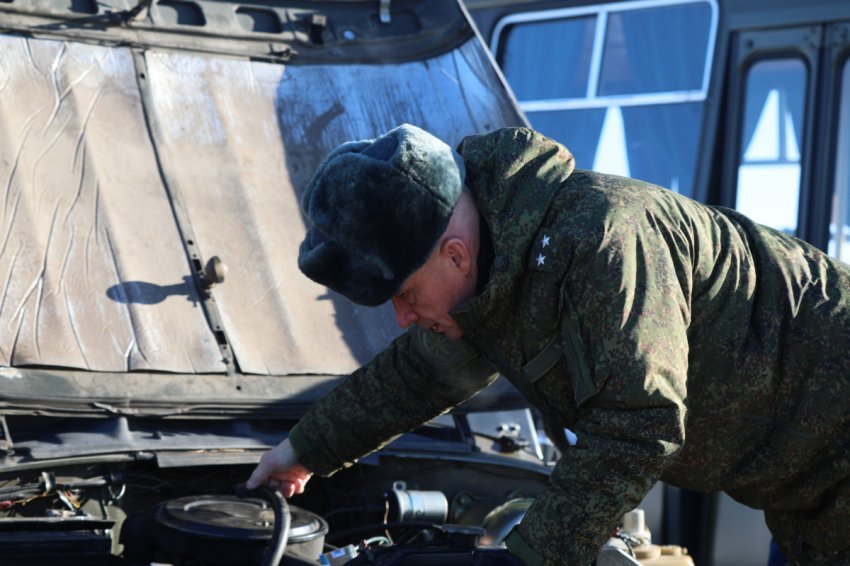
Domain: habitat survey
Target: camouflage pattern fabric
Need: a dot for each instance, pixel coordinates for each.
(700, 348)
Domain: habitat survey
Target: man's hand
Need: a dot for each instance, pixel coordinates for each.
(280, 470)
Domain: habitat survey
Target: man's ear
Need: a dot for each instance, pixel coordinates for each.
(456, 251)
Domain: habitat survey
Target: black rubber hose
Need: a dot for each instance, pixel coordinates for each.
(282, 519)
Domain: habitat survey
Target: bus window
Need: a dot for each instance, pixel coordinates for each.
(622, 85)
(560, 48)
(768, 189)
(655, 50)
(839, 227)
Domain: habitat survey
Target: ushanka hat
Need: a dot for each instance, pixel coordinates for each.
(376, 209)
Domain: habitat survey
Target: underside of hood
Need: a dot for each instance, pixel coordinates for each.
(128, 168)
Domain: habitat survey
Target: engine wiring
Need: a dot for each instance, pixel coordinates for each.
(66, 492)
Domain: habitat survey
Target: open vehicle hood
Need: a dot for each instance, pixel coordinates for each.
(156, 336)
(135, 149)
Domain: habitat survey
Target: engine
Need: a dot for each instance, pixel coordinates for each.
(441, 512)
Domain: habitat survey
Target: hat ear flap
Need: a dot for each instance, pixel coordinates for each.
(324, 260)
(375, 209)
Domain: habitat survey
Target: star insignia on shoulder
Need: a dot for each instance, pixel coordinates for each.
(541, 259)
(544, 241)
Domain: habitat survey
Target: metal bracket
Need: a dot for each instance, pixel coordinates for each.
(6, 445)
(384, 11)
(138, 12)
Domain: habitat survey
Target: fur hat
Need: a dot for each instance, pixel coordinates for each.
(376, 210)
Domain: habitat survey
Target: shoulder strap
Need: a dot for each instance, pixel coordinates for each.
(543, 362)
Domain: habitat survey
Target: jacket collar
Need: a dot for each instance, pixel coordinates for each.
(513, 174)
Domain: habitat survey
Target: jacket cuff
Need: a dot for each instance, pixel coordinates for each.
(308, 456)
(517, 546)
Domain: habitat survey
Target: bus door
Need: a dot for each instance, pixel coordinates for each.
(788, 144)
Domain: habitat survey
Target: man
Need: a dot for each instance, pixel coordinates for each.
(679, 341)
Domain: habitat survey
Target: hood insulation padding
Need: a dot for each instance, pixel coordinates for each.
(107, 153)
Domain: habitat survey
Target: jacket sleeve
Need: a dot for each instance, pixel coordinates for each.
(627, 293)
(418, 377)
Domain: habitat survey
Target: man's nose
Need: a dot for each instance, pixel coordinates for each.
(404, 313)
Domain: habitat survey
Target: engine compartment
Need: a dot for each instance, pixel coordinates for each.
(418, 509)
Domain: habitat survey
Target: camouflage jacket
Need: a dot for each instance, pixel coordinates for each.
(698, 347)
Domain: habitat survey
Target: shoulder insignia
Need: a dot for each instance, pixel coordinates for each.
(543, 251)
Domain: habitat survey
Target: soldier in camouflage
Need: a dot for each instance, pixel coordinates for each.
(680, 342)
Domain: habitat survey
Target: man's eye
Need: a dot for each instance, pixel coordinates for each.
(407, 297)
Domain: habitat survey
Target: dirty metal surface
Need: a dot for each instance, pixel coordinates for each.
(100, 172)
(239, 141)
(92, 269)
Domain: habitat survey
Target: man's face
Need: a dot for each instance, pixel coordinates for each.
(428, 296)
